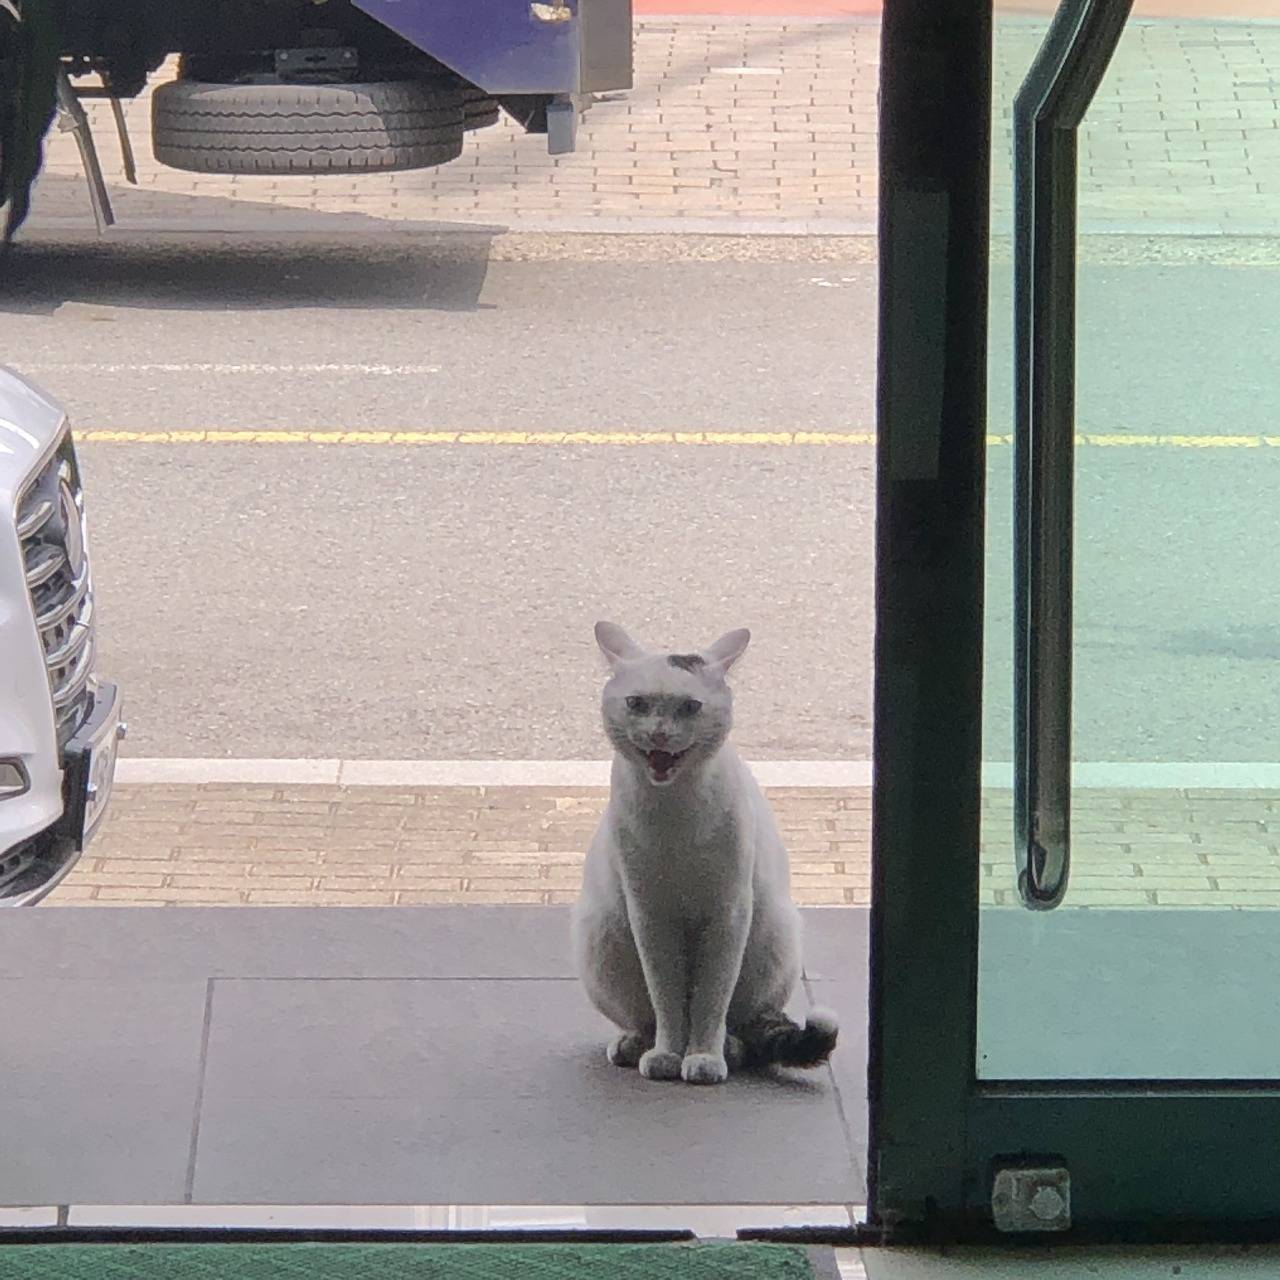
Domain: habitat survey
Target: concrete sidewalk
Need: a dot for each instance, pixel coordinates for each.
(325, 846)
(767, 125)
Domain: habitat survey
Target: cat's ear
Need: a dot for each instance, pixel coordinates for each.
(615, 644)
(729, 648)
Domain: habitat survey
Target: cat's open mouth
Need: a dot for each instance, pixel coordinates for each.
(662, 764)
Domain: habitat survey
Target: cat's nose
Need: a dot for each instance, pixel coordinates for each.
(659, 740)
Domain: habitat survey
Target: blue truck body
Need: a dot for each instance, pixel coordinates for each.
(518, 47)
(399, 80)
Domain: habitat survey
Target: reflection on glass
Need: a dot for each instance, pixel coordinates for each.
(1160, 962)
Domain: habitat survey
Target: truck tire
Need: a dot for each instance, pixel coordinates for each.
(479, 110)
(306, 128)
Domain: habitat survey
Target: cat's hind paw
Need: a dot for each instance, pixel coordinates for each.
(657, 1064)
(735, 1052)
(704, 1068)
(627, 1049)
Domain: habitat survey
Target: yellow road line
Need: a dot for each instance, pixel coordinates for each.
(571, 439)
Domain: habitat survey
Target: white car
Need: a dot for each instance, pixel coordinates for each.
(59, 724)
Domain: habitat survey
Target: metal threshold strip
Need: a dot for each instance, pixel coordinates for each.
(836, 1237)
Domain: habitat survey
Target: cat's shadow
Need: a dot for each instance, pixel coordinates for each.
(602, 1076)
(814, 1082)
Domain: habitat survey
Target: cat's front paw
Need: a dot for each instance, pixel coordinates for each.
(627, 1049)
(704, 1068)
(657, 1064)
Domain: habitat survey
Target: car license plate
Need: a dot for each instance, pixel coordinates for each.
(102, 776)
(92, 765)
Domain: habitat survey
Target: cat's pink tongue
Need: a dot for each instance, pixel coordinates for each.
(660, 762)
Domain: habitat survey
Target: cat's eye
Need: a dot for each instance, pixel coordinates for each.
(637, 705)
(689, 707)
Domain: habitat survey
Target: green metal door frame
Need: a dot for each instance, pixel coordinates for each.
(1148, 1160)
(935, 96)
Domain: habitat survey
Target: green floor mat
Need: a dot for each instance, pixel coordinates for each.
(415, 1261)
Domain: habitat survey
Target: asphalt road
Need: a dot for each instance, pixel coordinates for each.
(391, 601)
(552, 345)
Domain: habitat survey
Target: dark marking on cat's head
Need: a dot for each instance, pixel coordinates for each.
(687, 661)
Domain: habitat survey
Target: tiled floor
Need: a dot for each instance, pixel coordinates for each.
(420, 1056)
(439, 1068)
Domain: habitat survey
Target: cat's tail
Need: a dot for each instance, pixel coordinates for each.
(773, 1038)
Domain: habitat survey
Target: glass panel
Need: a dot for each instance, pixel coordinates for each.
(361, 476)
(1160, 962)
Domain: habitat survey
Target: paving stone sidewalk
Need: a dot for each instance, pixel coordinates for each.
(322, 845)
(366, 846)
(768, 124)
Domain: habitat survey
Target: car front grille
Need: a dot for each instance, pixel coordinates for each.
(51, 530)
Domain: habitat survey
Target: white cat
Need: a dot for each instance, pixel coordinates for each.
(685, 934)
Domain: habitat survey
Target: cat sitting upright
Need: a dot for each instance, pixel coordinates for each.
(685, 934)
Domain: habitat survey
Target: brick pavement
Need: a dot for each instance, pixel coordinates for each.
(762, 122)
(220, 844)
(1182, 135)
(1164, 848)
(321, 845)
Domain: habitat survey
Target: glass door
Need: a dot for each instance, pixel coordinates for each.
(1078, 854)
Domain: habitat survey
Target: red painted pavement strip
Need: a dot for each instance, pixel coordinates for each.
(1222, 10)
(758, 8)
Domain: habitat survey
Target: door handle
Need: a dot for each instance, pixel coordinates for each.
(1047, 113)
